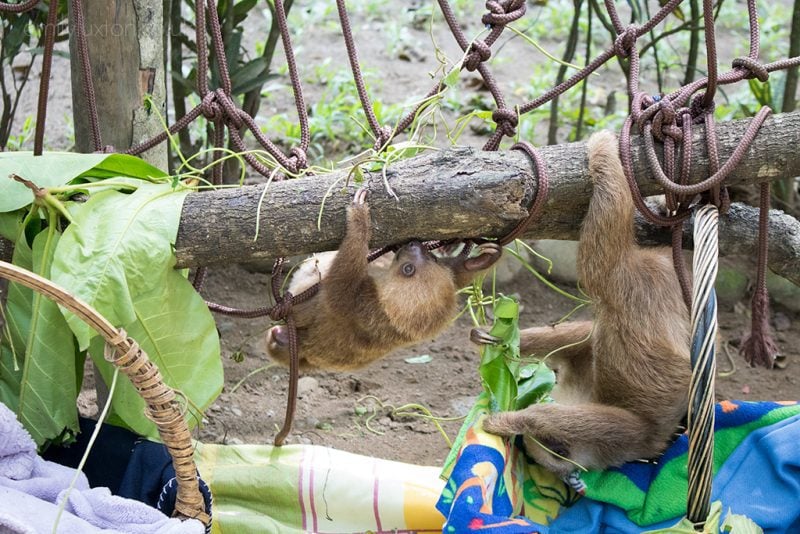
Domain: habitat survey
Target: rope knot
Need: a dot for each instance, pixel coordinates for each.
(282, 308)
(384, 135)
(479, 52)
(230, 111)
(665, 121)
(506, 120)
(754, 68)
(626, 40)
(502, 12)
(697, 108)
(298, 160)
(217, 106)
(210, 108)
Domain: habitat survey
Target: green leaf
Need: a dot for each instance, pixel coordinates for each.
(59, 168)
(251, 75)
(177, 332)
(684, 526)
(41, 386)
(124, 165)
(120, 245)
(536, 383)
(424, 358)
(452, 77)
(500, 363)
(118, 258)
(11, 224)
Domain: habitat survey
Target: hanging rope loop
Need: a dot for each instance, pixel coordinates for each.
(753, 68)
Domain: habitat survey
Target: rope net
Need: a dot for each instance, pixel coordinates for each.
(666, 120)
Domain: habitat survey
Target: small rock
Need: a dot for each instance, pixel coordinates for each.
(224, 326)
(781, 322)
(310, 422)
(236, 411)
(306, 385)
(215, 408)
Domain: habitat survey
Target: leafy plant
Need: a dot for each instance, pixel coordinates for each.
(102, 226)
(510, 383)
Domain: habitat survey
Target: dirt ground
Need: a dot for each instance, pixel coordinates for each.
(353, 411)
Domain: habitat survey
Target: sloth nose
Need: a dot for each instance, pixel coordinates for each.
(416, 250)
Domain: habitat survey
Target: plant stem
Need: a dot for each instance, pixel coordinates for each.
(694, 42)
(585, 83)
(569, 53)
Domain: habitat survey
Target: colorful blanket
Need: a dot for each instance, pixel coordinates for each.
(493, 488)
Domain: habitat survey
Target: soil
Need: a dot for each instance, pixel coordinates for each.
(353, 411)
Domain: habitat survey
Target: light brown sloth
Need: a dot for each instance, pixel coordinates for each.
(623, 381)
(364, 311)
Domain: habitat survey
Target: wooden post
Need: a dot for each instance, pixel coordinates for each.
(126, 50)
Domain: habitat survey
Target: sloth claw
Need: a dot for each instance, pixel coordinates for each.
(479, 337)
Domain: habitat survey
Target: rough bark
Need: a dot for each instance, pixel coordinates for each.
(738, 236)
(126, 50)
(457, 192)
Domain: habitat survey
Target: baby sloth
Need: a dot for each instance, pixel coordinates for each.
(363, 311)
(623, 381)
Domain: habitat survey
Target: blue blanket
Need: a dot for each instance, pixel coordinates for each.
(493, 488)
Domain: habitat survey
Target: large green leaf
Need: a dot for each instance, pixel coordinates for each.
(10, 224)
(117, 256)
(59, 168)
(119, 246)
(176, 330)
(39, 370)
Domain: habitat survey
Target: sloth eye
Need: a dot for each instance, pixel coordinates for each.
(408, 269)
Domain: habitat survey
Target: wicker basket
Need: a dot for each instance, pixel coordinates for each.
(163, 407)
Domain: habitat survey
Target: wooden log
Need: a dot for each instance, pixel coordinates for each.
(458, 192)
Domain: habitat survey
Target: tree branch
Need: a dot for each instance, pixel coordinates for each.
(458, 192)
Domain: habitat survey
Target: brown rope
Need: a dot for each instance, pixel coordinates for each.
(86, 74)
(44, 80)
(758, 347)
(22, 7)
